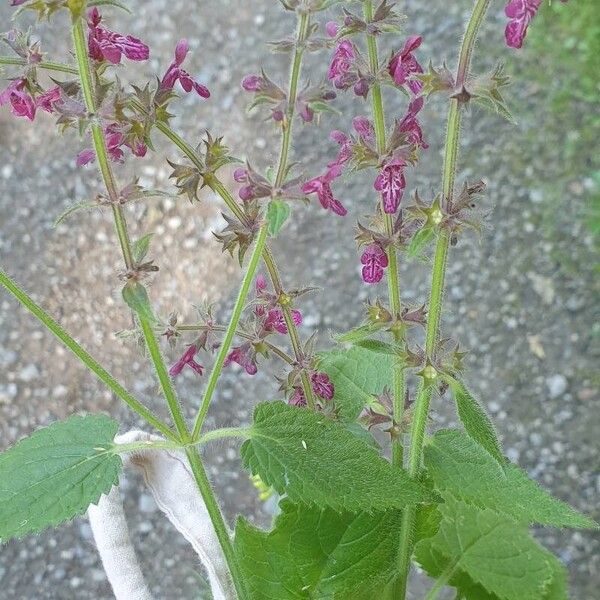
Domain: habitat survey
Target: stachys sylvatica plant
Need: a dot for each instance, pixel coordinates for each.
(354, 518)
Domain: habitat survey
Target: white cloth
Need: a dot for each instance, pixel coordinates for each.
(167, 475)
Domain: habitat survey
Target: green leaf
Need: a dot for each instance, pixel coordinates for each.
(419, 241)
(56, 473)
(477, 424)
(378, 346)
(355, 335)
(136, 297)
(74, 208)
(278, 212)
(140, 247)
(494, 551)
(312, 553)
(357, 374)
(462, 467)
(315, 460)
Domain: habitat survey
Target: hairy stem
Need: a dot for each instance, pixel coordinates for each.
(45, 64)
(231, 330)
(198, 471)
(440, 583)
(216, 518)
(242, 433)
(217, 186)
(423, 400)
(245, 336)
(393, 277)
(164, 379)
(84, 356)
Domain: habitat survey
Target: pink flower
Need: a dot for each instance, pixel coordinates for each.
(47, 100)
(104, 44)
(345, 143)
(519, 13)
(187, 359)
(297, 398)
(321, 385)
(175, 73)
(322, 187)
(364, 128)
(253, 83)
(391, 183)
(85, 157)
(275, 320)
(410, 125)
(343, 58)
(374, 261)
(332, 28)
(245, 356)
(403, 64)
(21, 102)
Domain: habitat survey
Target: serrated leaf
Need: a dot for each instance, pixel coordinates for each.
(114, 3)
(317, 461)
(140, 247)
(136, 297)
(475, 420)
(357, 374)
(56, 473)
(459, 465)
(312, 553)
(494, 551)
(278, 212)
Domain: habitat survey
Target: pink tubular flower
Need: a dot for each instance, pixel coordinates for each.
(85, 157)
(403, 64)
(21, 102)
(187, 359)
(345, 143)
(297, 398)
(410, 125)
(391, 183)
(321, 385)
(276, 322)
(343, 57)
(104, 44)
(519, 13)
(175, 73)
(47, 100)
(322, 187)
(245, 356)
(364, 128)
(332, 28)
(374, 261)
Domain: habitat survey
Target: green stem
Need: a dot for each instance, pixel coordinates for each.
(84, 356)
(393, 277)
(87, 88)
(423, 400)
(440, 583)
(216, 518)
(45, 64)
(245, 336)
(231, 330)
(164, 379)
(210, 436)
(302, 31)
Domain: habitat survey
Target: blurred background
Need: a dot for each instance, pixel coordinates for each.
(523, 298)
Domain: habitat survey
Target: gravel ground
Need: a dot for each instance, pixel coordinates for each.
(523, 297)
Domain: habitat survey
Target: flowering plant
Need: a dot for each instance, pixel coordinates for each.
(365, 492)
